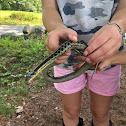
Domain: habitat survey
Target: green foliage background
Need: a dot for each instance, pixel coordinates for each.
(17, 59)
(21, 5)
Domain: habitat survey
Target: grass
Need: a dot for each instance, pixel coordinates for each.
(20, 18)
(17, 58)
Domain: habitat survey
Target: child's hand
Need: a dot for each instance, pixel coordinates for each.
(59, 36)
(107, 41)
(78, 65)
(107, 62)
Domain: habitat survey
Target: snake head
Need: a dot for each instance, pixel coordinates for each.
(29, 75)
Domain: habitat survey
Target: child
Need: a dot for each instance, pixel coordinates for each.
(100, 23)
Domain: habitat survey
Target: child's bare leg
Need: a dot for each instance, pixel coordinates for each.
(100, 109)
(71, 108)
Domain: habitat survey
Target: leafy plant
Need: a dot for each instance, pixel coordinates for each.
(6, 109)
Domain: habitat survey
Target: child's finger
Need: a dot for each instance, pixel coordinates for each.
(103, 65)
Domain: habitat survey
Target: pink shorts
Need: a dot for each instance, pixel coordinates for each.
(106, 83)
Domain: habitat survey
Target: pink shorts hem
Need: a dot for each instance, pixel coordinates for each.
(68, 91)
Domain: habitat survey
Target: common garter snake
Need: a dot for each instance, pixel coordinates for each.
(78, 47)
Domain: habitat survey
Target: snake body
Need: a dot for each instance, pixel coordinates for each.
(79, 47)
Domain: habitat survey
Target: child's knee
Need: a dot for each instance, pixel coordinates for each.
(72, 112)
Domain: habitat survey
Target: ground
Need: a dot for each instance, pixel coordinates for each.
(45, 108)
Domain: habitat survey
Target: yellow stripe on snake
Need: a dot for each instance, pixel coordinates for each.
(78, 47)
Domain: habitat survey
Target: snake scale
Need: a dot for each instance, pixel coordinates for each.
(44, 67)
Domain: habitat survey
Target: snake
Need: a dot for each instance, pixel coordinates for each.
(49, 62)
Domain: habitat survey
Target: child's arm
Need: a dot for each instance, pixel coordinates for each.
(57, 31)
(116, 59)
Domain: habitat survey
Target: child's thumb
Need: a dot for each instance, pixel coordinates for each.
(72, 36)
